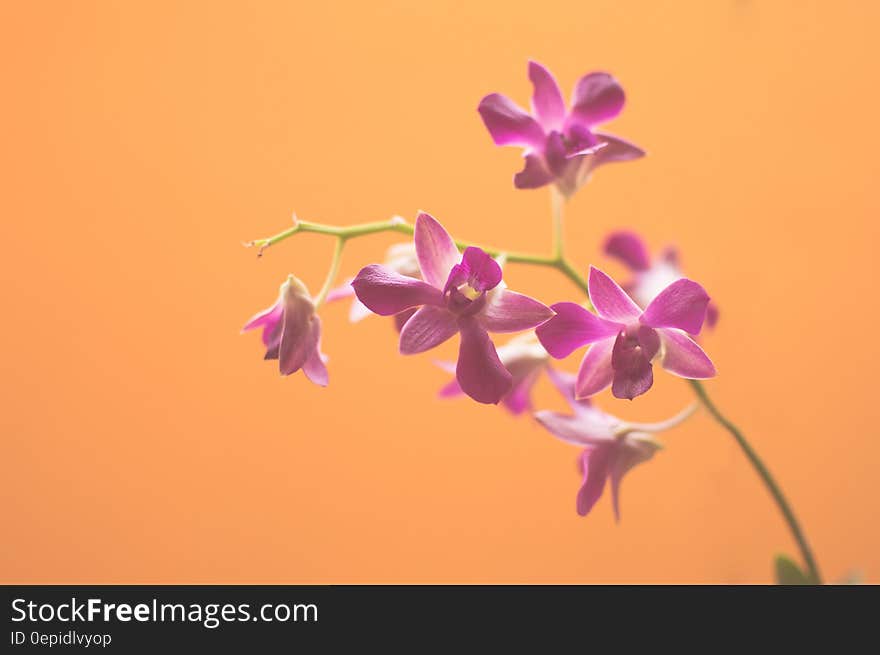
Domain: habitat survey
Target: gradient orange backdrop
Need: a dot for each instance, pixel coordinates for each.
(144, 439)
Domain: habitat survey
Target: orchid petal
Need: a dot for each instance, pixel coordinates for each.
(427, 328)
(629, 249)
(298, 340)
(683, 357)
(268, 319)
(711, 315)
(547, 102)
(314, 367)
(480, 372)
(595, 373)
(615, 150)
(680, 305)
(573, 327)
(483, 271)
(565, 427)
(556, 155)
(632, 453)
(597, 98)
(575, 428)
(580, 140)
(435, 250)
(518, 399)
(265, 317)
(534, 175)
(385, 292)
(596, 464)
(341, 292)
(509, 311)
(508, 124)
(401, 318)
(358, 311)
(451, 390)
(610, 301)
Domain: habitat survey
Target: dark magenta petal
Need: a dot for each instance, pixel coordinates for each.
(596, 463)
(556, 155)
(508, 124)
(595, 373)
(508, 311)
(534, 175)
(681, 305)
(386, 293)
(631, 361)
(649, 340)
(579, 140)
(484, 273)
(597, 98)
(610, 301)
(435, 250)
(683, 357)
(547, 100)
(479, 371)
(573, 327)
(614, 150)
(401, 318)
(629, 248)
(427, 328)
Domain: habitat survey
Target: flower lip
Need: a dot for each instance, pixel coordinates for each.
(468, 282)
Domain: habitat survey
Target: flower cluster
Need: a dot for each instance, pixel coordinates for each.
(436, 289)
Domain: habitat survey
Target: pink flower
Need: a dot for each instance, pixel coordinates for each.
(458, 294)
(625, 340)
(400, 258)
(560, 144)
(292, 332)
(612, 447)
(649, 277)
(525, 358)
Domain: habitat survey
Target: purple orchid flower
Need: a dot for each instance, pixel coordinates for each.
(400, 258)
(612, 447)
(649, 277)
(292, 332)
(560, 144)
(625, 339)
(458, 293)
(525, 358)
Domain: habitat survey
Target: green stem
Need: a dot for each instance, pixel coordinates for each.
(766, 477)
(557, 203)
(402, 227)
(332, 273)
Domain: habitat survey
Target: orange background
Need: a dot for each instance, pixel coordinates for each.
(144, 439)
